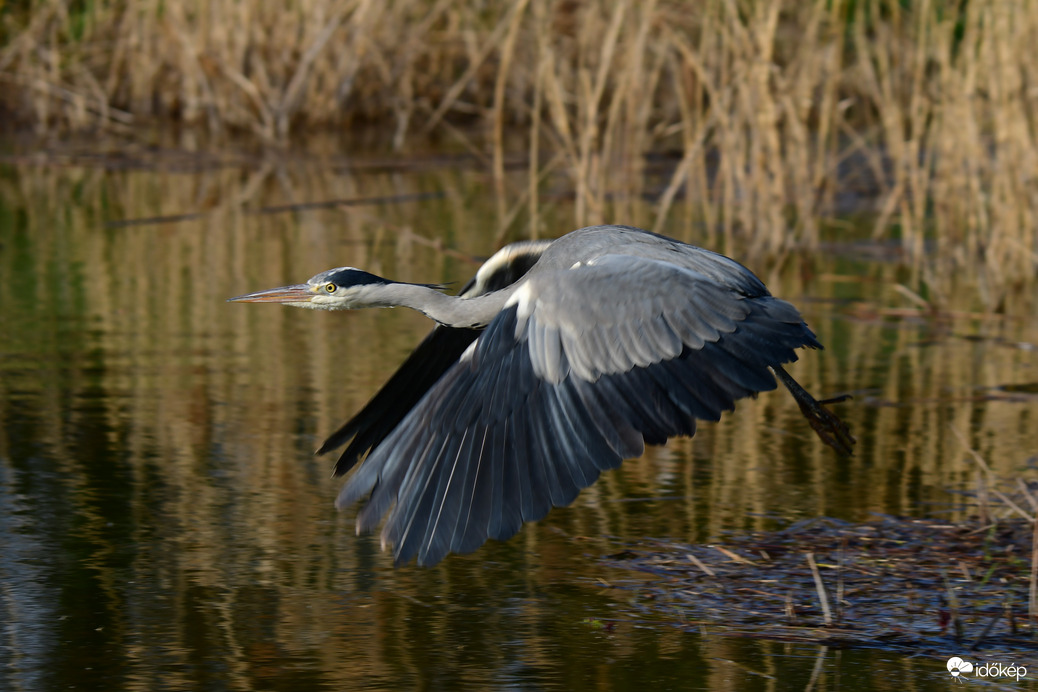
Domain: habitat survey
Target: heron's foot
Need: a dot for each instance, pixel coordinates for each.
(826, 424)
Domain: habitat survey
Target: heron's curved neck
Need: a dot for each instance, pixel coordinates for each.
(451, 311)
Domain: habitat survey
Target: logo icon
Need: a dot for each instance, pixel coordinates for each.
(956, 666)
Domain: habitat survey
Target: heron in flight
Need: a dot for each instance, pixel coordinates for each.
(556, 362)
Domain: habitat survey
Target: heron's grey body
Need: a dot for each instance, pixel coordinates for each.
(558, 360)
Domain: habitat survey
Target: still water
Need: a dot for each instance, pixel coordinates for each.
(165, 525)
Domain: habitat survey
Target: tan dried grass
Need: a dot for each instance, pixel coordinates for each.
(767, 105)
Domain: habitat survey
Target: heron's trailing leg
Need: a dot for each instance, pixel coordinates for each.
(827, 425)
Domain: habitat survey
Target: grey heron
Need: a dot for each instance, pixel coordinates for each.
(556, 362)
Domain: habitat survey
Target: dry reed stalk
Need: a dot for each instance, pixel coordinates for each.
(1032, 602)
(508, 53)
(533, 184)
(701, 565)
(823, 597)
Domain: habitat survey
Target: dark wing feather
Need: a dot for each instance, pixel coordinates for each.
(497, 442)
(440, 349)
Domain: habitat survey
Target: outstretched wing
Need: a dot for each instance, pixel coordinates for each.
(580, 369)
(439, 350)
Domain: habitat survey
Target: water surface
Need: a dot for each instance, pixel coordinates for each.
(165, 525)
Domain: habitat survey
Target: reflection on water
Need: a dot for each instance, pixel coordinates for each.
(164, 523)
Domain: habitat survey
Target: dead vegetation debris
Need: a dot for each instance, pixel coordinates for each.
(909, 584)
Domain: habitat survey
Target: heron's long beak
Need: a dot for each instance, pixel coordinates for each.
(300, 293)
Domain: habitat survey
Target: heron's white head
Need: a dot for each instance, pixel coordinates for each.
(342, 288)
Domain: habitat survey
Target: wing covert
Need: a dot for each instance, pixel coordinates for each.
(617, 312)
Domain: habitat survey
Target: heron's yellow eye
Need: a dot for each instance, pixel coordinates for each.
(330, 287)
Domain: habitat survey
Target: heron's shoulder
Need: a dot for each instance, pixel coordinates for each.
(505, 267)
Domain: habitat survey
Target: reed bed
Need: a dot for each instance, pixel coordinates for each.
(771, 115)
